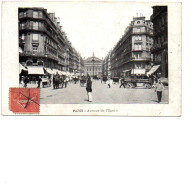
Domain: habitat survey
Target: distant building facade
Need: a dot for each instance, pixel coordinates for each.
(93, 66)
(132, 51)
(106, 66)
(160, 46)
(42, 41)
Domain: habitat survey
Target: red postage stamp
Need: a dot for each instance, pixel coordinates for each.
(25, 100)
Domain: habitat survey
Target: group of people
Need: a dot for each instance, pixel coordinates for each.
(158, 85)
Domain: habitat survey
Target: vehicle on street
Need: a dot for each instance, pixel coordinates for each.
(133, 80)
(115, 80)
(45, 81)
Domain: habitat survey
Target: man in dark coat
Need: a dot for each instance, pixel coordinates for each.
(89, 89)
(122, 83)
(39, 82)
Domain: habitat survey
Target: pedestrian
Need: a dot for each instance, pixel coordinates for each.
(39, 81)
(26, 80)
(89, 89)
(108, 82)
(122, 83)
(66, 81)
(159, 88)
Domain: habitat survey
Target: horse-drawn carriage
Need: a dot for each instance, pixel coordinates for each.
(104, 79)
(46, 82)
(115, 80)
(136, 82)
(133, 79)
(58, 81)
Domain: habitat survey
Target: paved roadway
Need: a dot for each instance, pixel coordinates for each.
(75, 94)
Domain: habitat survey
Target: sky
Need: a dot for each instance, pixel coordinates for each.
(96, 26)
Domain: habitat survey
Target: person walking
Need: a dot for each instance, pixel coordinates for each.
(66, 81)
(159, 88)
(89, 89)
(108, 83)
(122, 83)
(26, 80)
(39, 82)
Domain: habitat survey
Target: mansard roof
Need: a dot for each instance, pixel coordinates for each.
(90, 59)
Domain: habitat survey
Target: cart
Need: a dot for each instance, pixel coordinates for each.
(133, 83)
(115, 80)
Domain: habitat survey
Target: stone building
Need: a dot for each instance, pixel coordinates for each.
(160, 46)
(132, 52)
(106, 65)
(93, 66)
(43, 43)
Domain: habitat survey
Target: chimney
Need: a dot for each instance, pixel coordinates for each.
(55, 20)
(52, 16)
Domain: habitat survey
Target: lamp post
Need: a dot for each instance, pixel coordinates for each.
(46, 55)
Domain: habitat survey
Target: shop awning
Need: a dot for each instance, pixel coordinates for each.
(21, 67)
(55, 71)
(126, 70)
(35, 70)
(138, 71)
(48, 70)
(63, 73)
(153, 70)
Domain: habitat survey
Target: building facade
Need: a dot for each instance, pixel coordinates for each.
(160, 46)
(132, 52)
(93, 66)
(43, 43)
(106, 65)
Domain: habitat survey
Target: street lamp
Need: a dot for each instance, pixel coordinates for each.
(46, 55)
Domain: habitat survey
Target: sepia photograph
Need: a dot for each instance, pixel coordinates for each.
(120, 59)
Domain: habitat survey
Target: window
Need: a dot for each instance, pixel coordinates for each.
(23, 37)
(21, 15)
(35, 25)
(24, 14)
(35, 14)
(35, 37)
(138, 47)
(22, 25)
(35, 48)
(40, 14)
(138, 22)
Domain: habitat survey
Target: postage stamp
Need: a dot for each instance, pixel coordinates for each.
(24, 100)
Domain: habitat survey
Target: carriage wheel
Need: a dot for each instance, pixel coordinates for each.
(131, 85)
(148, 86)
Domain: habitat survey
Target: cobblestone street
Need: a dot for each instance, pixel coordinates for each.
(75, 94)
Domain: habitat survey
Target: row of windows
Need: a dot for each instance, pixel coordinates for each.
(91, 69)
(31, 25)
(50, 42)
(142, 22)
(34, 14)
(160, 39)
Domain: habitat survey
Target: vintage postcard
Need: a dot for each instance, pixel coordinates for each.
(91, 58)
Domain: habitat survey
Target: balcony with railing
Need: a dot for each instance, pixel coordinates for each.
(38, 54)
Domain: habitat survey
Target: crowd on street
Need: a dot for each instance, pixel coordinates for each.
(58, 81)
